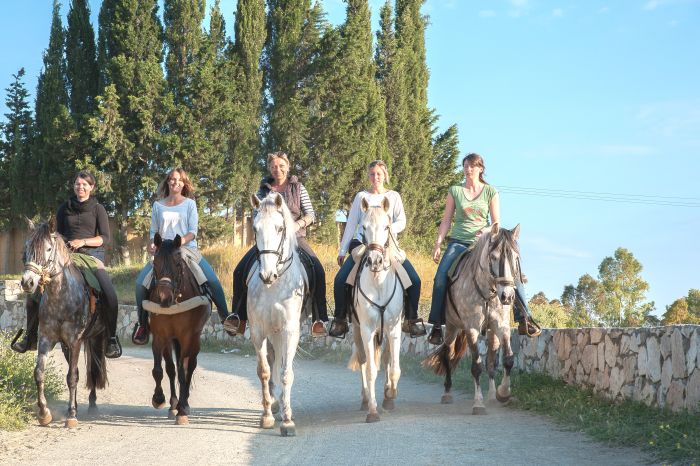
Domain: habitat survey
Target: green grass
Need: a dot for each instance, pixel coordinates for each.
(17, 386)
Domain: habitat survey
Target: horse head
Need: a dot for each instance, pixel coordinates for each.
(274, 236)
(504, 263)
(376, 224)
(44, 255)
(167, 269)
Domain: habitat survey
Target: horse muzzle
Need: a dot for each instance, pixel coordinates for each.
(268, 278)
(29, 282)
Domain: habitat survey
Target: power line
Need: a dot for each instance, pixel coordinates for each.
(646, 199)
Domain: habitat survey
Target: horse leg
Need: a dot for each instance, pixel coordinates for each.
(493, 344)
(472, 339)
(450, 337)
(271, 384)
(503, 391)
(158, 399)
(44, 414)
(358, 360)
(187, 363)
(267, 420)
(287, 428)
(370, 374)
(392, 368)
(72, 381)
(167, 353)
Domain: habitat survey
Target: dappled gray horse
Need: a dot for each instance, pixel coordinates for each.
(479, 303)
(65, 317)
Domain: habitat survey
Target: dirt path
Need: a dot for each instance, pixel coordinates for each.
(330, 428)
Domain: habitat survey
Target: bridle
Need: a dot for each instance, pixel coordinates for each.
(381, 249)
(44, 271)
(166, 273)
(282, 263)
(499, 278)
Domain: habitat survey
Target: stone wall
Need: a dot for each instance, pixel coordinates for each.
(659, 366)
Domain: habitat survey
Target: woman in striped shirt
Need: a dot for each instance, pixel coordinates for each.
(297, 199)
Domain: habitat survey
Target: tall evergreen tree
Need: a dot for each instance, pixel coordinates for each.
(55, 129)
(183, 39)
(350, 128)
(133, 109)
(81, 60)
(17, 166)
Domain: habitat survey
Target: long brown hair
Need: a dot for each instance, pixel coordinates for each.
(475, 160)
(187, 188)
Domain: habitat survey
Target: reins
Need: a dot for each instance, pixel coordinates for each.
(285, 263)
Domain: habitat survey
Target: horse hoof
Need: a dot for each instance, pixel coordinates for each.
(478, 410)
(71, 423)
(158, 403)
(275, 407)
(172, 414)
(267, 422)
(388, 404)
(46, 420)
(446, 399)
(364, 406)
(288, 429)
(182, 420)
(372, 417)
(502, 398)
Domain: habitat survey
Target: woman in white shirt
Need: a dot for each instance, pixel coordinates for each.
(175, 214)
(378, 174)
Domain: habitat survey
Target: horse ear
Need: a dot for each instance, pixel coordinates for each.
(364, 205)
(385, 204)
(516, 232)
(30, 224)
(495, 229)
(278, 200)
(157, 240)
(52, 224)
(254, 201)
(177, 242)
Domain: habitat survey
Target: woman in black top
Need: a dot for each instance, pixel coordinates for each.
(83, 223)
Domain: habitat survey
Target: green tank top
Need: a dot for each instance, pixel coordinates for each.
(470, 216)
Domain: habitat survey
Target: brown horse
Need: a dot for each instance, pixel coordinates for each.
(178, 332)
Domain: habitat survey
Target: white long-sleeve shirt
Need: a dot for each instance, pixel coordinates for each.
(353, 227)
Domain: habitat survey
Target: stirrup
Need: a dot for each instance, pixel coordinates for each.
(407, 327)
(529, 328)
(232, 324)
(118, 344)
(342, 334)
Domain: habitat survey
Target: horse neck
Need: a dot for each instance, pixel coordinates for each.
(474, 271)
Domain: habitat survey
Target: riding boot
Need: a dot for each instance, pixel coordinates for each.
(435, 337)
(521, 314)
(141, 333)
(411, 323)
(29, 342)
(339, 326)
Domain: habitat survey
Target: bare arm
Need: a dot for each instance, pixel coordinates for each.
(495, 209)
(444, 226)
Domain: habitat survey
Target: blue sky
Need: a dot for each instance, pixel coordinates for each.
(565, 100)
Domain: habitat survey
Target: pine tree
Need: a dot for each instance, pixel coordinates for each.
(133, 108)
(81, 60)
(443, 174)
(17, 165)
(55, 130)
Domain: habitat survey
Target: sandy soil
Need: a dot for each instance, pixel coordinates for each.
(224, 429)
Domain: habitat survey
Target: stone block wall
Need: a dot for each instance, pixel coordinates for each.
(659, 366)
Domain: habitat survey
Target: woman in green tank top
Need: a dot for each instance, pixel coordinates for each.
(470, 206)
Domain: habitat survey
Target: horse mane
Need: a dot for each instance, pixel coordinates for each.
(40, 235)
(481, 248)
(268, 206)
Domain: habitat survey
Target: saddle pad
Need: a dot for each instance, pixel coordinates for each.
(187, 305)
(87, 265)
(456, 266)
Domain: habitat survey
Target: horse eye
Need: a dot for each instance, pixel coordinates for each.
(279, 229)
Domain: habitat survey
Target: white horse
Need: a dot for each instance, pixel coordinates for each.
(378, 301)
(275, 298)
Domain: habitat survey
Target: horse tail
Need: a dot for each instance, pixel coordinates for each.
(447, 356)
(95, 362)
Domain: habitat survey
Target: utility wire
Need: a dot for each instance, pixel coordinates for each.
(675, 201)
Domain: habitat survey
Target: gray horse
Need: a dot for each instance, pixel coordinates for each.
(65, 316)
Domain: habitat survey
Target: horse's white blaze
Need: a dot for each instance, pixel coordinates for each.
(380, 287)
(275, 299)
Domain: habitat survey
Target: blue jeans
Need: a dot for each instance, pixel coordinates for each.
(213, 283)
(340, 294)
(437, 305)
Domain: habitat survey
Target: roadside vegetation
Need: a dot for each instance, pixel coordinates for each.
(17, 386)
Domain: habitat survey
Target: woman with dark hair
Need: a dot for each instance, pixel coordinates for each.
(378, 174)
(469, 206)
(175, 213)
(297, 199)
(83, 223)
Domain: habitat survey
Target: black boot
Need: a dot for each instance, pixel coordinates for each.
(339, 327)
(114, 348)
(435, 337)
(411, 323)
(31, 336)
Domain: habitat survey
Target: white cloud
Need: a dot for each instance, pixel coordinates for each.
(604, 9)
(651, 5)
(557, 12)
(518, 8)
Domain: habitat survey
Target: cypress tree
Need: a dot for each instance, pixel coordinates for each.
(131, 52)
(55, 130)
(17, 166)
(81, 60)
(350, 127)
(183, 38)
